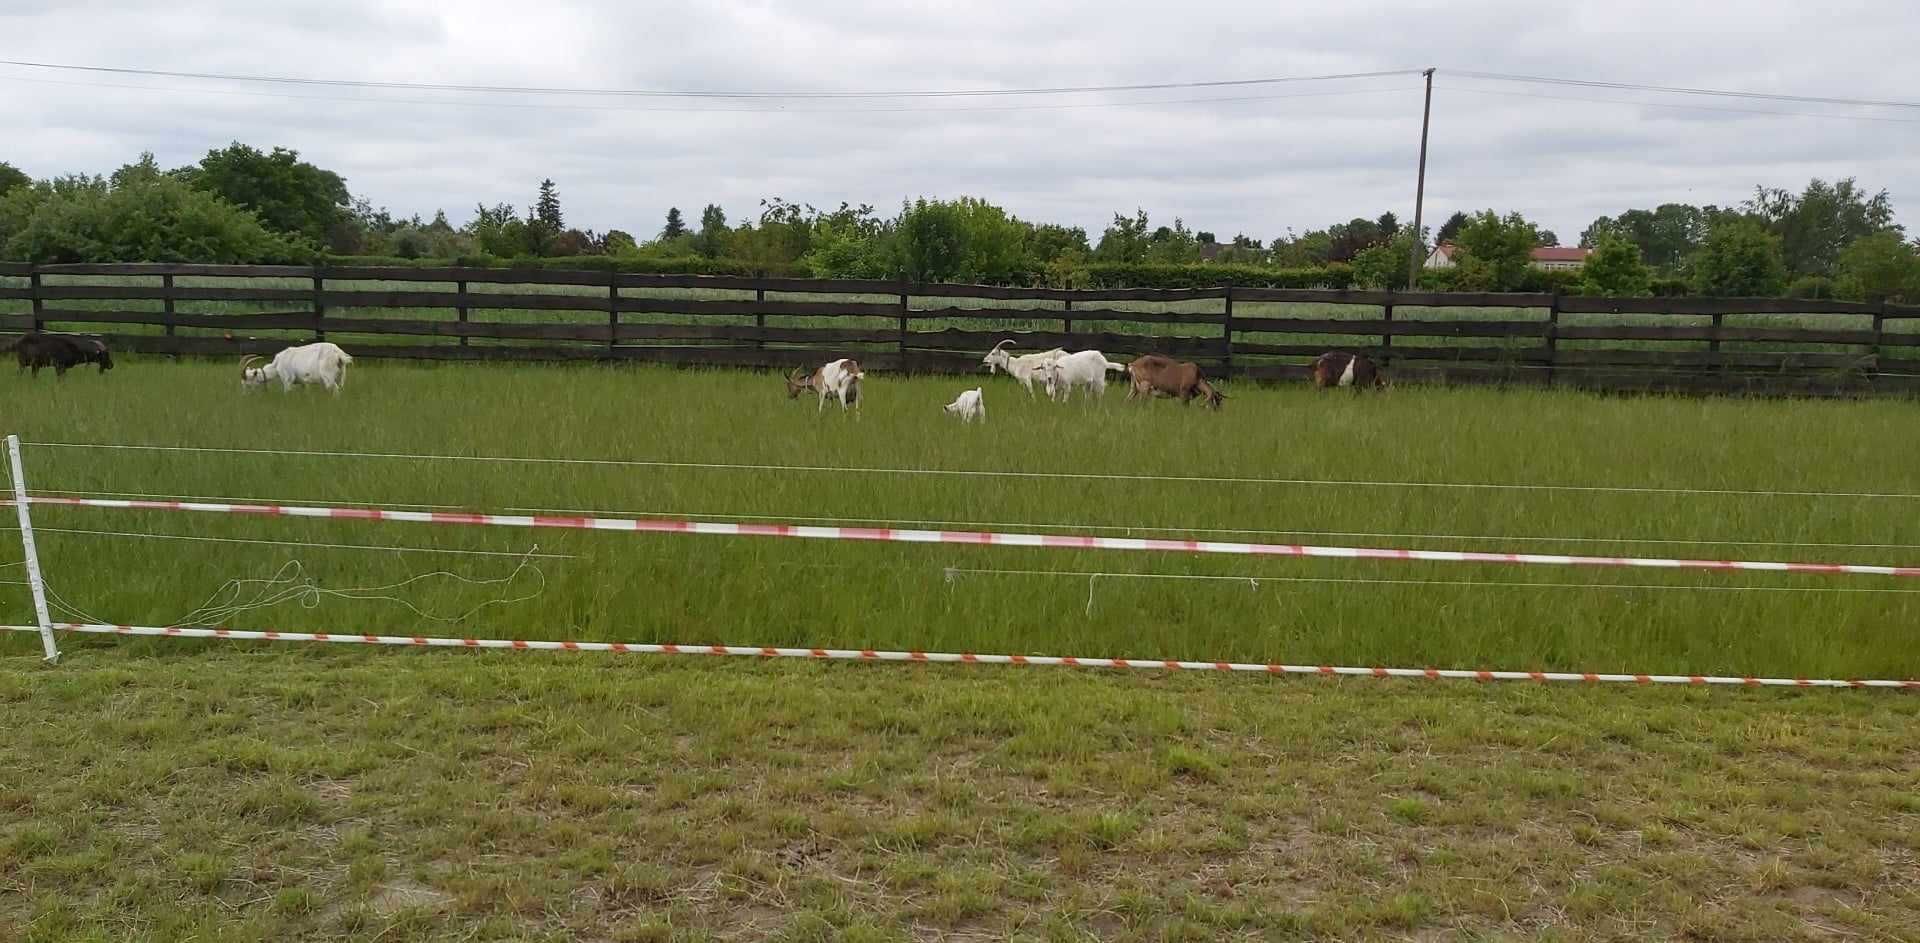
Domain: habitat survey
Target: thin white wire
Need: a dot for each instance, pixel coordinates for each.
(1254, 581)
(983, 473)
(290, 584)
(303, 545)
(1678, 105)
(231, 499)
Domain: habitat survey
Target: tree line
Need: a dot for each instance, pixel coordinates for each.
(239, 204)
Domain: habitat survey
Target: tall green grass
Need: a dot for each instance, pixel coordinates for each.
(775, 591)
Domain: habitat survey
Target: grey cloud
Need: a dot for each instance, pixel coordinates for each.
(1258, 166)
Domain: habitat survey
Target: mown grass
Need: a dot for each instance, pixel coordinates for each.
(173, 790)
(231, 795)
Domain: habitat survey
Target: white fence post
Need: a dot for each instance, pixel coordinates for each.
(34, 581)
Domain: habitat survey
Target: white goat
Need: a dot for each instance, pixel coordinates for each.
(321, 363)
(839, 378)
(968, 406)
(1025, 368)
(1086, 368)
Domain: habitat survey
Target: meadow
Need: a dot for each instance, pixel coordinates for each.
(169, 789)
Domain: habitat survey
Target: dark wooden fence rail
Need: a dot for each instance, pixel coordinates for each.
(1825, 347)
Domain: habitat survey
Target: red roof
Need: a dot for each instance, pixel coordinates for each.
(1561, 254)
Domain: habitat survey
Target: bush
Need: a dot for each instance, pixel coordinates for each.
(1615, 268)
(692, 265)
(1147, 275)
(1880, 267)
(1739, 259)
(140, 218)
(1811, 286)
(1669, 287)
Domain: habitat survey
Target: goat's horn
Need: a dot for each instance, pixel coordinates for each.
(1003, 343)
(247, 360)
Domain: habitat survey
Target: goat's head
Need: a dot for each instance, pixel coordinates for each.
(997, 357)
(852, 367)
(251, 375)
(799, 381)
(98, 354)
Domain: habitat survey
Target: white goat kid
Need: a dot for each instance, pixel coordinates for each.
(321, 364)
(839, 378)
(968, 406)
(1086, 368)
(1025, 368)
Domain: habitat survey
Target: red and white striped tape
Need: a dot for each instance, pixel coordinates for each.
(1043, 661)
(994, 538)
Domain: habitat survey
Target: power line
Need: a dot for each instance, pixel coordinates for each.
(1682, 105)
(665, 93)
(544, 106)
(1682, 90)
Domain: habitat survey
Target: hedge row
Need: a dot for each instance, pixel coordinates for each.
(691, 265)
(1129, 275)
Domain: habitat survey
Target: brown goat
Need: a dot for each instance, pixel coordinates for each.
(1155, 375)
(1337, 368)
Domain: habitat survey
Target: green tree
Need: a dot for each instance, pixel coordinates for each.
(1126, 240)
(932, 243)
(1666, 234)
(1049, 241)
(1739, 258)
(674, 228)
(288, 194)
(620, 242)
(1385, 266)
(1498, 251)
(12, 177)
(1615, 268)
(1879, 267)
(711, 240)
(1173, 245)
(994, 244)
(1820, 221)
(1450, 229)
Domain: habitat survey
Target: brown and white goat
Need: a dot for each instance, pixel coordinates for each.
(1338, 368)
(839, 378)
(1155, 375)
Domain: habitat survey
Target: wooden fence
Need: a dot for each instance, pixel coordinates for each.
(1695, 344)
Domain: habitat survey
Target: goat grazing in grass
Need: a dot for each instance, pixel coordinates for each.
(1086, 368)
(320, 364)
(1337, 368)
(839, 378)
(1024, 368)
(968, 406)
(1155, 375)
(62, 352)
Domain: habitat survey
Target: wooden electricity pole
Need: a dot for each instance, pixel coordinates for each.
(1420, 188)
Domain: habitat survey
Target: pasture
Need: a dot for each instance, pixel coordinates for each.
(175, 790)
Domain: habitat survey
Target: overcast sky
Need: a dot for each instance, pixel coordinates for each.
(1326, 152)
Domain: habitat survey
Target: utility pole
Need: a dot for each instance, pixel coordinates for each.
(1420, 189)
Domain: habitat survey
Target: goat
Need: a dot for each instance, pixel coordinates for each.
(321, 363)
(1154, 375)
(1025, 368)
(62, 352)
(1086, 368)
(839, 378)
(967, 406)
(1336, 368)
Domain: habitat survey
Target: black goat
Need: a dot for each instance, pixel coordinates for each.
(61, 352)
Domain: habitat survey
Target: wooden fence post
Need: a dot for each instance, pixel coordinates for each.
(759, 320)
(166, 303)
(1553, 335)
(1386, 334)
(613, 311)
(1226, 337)
(903, 328)
(1066, 323)
(1879, 335)
(319, 306)
(1713, 347)
(460, 308)
(39, 303)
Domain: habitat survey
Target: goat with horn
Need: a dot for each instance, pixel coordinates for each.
(322, 364)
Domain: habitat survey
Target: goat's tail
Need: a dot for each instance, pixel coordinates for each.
(1116, 366)
(345, 358)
